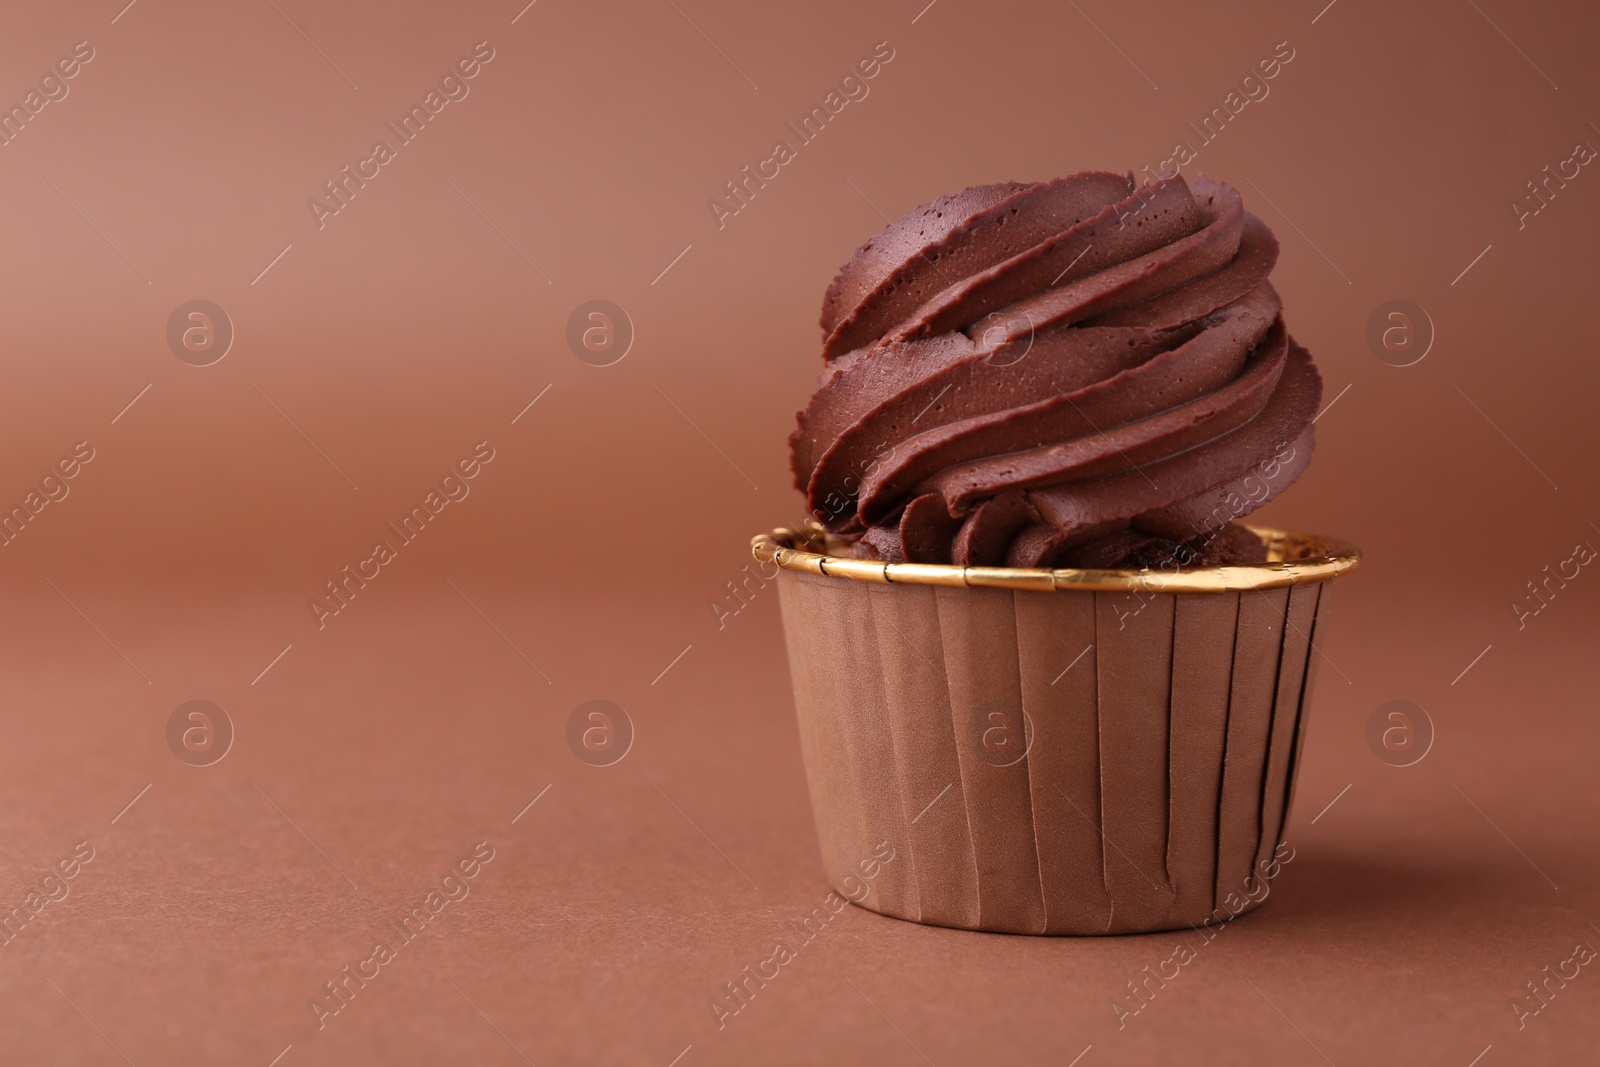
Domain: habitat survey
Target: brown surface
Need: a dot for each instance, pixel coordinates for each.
(606, 924)
(407, 329)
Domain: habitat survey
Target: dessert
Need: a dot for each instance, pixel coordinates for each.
(1081, 372)
(1032, 648)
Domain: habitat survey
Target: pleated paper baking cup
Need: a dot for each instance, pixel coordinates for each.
(1053, 751)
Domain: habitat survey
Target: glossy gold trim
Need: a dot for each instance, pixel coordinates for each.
(1293, 558)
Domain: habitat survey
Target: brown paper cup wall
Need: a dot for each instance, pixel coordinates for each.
(1053, 752)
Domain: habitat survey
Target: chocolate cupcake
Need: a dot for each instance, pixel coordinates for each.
(1032, 646)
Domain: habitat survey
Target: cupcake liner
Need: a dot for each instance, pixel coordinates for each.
(1053, 752)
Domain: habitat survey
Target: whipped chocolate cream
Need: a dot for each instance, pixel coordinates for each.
(1082, 372)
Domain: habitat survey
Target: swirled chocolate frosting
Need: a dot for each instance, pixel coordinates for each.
(1083, 372)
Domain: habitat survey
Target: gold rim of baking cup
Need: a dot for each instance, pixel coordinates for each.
(1293, 558)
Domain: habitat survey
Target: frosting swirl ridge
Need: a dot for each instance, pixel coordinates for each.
(1081, 372)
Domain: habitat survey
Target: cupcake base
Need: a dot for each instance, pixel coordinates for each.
(1070, 761)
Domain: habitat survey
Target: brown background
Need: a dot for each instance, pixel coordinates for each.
(420, 320)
